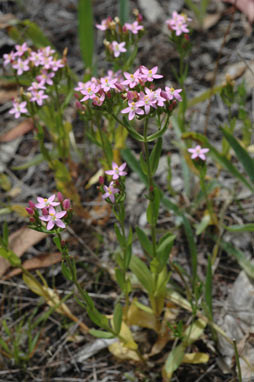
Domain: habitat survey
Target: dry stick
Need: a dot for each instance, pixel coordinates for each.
(208, 109)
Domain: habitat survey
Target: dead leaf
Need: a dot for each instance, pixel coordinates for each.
(42, 261)
(18, 131)
(6, 20)
(19, 242)
(210, 20)
(245, 6)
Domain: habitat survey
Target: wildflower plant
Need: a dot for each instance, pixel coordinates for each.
(122, 102)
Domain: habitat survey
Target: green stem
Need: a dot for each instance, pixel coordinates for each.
(208, 201)
(150, 185)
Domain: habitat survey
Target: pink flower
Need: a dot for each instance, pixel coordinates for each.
(53, 218)
(56, 64)
(36, 86)
(149, 74)
(178, 23)
(21, 66)
(45, 203)
(104, 24)
(158, 98)
(47, 62)
(134, 27)
(133, 109)
(90, 92)
(36, 58)
(18, 108)
(45, 77)
(110, 192)
(198, 152)
(171, 93)
(108, 83)
(118, 48)
(99, 98)
(21, 49)
(47, 51)
(147, 100)
(131, 79)
(9, 58)
(38, 97)
(117, 171)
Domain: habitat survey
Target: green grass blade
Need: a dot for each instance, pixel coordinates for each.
(124, 10)
(244, 263)
(241, 228)
(86, 31)
(241, 153)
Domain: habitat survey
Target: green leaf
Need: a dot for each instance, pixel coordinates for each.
(124, 10)
(152, 211)
(219, 157)
(143, 164)
(144, 241)
(127, 256)
(134, 164)
(85, 31)
(120, 278)
(66, 271)
(241, 228)
(27, 29)
(164, 248)
(10, 256)
(101, 334)
(119, 236)
(173, 361)
(143, 274)
(117, 318)
(4, 345)
(203, 224)
(155, 155)
(241, 153)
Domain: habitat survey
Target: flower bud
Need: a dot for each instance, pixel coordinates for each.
(60, 196)
(101, 180)
(66, 204)
(29, 210)
(44, 211)
(31, 204)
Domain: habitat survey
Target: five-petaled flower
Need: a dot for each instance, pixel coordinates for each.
(118, 48)
(18, 108)
(110, 192)
(134, 108)
(117, 171)
(198, 152)
(53, 218)
(45, 203)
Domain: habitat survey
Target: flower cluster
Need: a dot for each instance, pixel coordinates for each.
(136, 89)
(50, 211)
(112, 189)
(178, 23)
(42, 65)
(120, 37)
